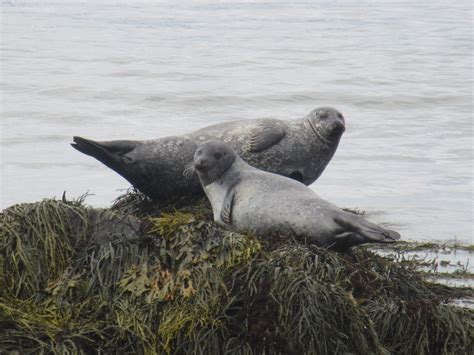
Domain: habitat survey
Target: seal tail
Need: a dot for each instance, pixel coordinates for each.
(369, 231)
(112, 154)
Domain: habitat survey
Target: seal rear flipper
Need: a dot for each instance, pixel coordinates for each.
(370, 231)
(345, 240)
(265, 137)
(112, 154)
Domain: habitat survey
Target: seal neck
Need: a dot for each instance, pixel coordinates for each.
(233, 174)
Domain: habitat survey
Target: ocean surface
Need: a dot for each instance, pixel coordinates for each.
(400, 72)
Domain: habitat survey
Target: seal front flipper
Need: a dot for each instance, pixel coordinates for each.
(296, 175)
(228, 203)
(113, 154)
(371, 232)
(226, 211)
(265, 137)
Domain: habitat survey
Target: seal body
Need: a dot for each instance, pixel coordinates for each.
(300, 149)
(249, 200)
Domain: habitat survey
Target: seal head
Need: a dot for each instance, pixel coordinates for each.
(327, 123)
(212, 160)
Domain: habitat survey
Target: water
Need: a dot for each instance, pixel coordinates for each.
(400, 71)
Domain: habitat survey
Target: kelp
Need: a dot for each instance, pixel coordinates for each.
(148, 278)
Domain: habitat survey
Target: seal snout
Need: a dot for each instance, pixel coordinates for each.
(201, 163)
(337, 128)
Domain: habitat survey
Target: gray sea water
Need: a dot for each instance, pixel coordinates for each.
(399, 71)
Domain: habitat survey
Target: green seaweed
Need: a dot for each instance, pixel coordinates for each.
(148, 278)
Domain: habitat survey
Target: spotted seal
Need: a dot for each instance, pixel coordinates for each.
(246, 199)
(159, 168)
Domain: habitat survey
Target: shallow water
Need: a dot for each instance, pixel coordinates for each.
(400, 71)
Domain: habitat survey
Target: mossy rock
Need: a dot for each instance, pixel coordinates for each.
(143, 278)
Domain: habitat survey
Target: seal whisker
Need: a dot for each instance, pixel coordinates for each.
(189, 171)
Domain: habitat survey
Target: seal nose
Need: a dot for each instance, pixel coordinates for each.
(341, 118)
(335, 123)
(337, 129)
(200, 164)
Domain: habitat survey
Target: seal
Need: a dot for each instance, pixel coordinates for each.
(248, 200)
(162, 168)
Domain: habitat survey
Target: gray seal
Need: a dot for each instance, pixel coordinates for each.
(248, 200)
(161, 168)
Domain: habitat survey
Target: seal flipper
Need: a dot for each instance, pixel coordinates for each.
(226, 211)
(345, 240)
(265, 138)
(371, 232)
(297, 175)
(228, 203)
(112, 154)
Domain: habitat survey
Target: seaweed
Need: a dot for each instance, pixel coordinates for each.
(149, 278)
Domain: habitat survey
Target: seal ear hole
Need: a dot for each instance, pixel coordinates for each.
(217, 156)
(296, 175)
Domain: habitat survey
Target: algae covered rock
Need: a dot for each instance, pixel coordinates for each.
(146, 278)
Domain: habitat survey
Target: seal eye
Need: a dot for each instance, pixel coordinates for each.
(199, 152)
(217, 156)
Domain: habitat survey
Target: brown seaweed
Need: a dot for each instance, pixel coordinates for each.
(144, 278)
